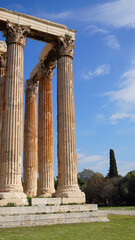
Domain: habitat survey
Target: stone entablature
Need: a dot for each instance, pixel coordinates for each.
(41, 29)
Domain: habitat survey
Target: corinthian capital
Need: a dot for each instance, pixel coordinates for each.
(65, 46)
(47, 69)
(15, 33)
(31, 87)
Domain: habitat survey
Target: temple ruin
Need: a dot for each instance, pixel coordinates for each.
(38, 148)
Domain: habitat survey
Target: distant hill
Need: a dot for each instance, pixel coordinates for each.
(86, 174)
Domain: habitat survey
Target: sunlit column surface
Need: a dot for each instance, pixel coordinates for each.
(45, 132)
(11, 148)
(66, 146)
(30, 139)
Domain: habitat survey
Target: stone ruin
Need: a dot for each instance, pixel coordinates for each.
(38, 152)
(58, 51)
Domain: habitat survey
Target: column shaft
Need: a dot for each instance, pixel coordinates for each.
(66, 148)
(3, 53)
(11, 147)
(30, 139)
(45, 135)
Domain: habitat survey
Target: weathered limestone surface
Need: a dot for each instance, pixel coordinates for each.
(3, 50)
(44, 201)
(66, 148)
(34, 216)
(48, 209)
(41, 29)
(45, 132)
(11, 148)
(30, 139)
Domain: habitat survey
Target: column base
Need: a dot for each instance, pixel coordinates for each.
(17, 198)
(70, 194)
(46, 193)
(30, 193)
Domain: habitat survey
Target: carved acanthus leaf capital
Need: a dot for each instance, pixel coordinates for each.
(47, 69)
(65, 46)
(31, 86)
(15, 33)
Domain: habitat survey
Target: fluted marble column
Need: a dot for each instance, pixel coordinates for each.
(66, 146)
(30, 139)
(3, 53)
(45, 133)
(11, 148)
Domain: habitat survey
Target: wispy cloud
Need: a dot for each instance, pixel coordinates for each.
(93, 162)
(57, 16)
(117, 14)
(100, 70)
(124, 98)
(125, 95)
(109, 39)
(126, 167)
(112, 42)
(82, 158)
(120, 116)
(93, 29)
(90, 159)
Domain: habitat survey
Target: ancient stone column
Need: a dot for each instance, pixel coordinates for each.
(30, 139)
(11, 148)
(3, 51)
(66, 145)
(45, 133)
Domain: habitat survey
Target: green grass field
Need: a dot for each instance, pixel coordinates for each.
(119, 228)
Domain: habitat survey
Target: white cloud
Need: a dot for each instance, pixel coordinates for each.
(90, 159)
(61, 15)
(82, 158)
(97, 163)
(126, 167)
(125, 96)
(112, 42)
(120, 116)
(109, 39)
(120, 13)
(93, 29)
(115, 13)
(100, 70)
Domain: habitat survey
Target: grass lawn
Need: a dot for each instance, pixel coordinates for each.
(119, 227)
(117, 208)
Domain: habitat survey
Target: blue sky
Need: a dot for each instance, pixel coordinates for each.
(104, 75)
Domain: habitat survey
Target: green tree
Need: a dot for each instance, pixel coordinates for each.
(127, 189)
(82, 184)
(111, 191)
(113, 172)
(94, 189)
(56, 183)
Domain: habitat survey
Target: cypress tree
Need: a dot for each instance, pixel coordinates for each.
(113, 166)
